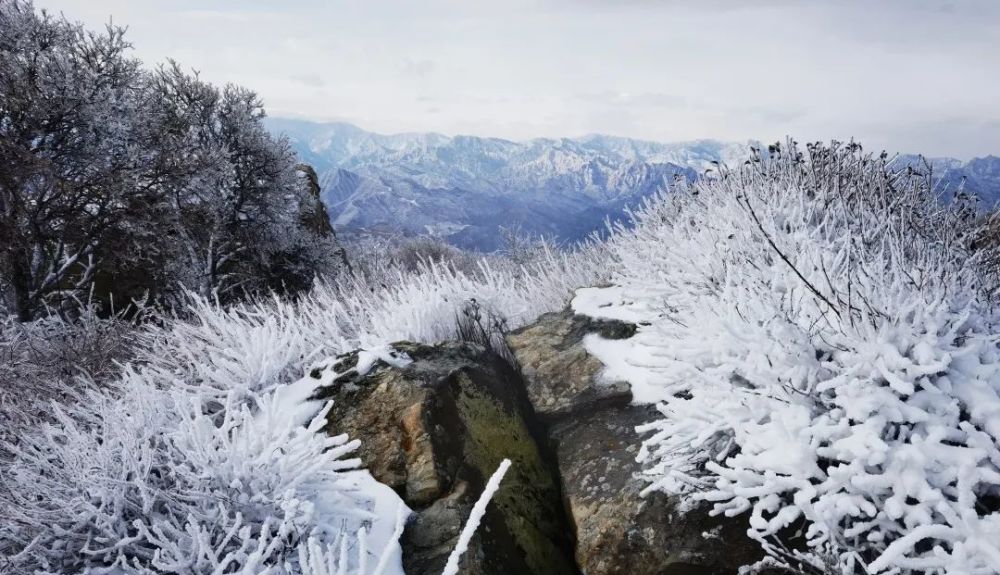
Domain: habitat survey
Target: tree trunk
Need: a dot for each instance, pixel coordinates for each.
(21, 298)
(18, 294)
(22, 306)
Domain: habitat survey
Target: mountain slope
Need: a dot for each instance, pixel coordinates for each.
(979, 177)
(465, 188)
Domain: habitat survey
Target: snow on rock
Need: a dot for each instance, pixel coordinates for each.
(290, 407)
(634, 360)
(626, 360)
(612, 302)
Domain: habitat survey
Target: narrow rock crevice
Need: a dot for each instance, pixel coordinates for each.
(435, 430)
(591, 429)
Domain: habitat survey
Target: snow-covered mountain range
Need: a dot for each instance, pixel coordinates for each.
(465, 188)
(979, 176)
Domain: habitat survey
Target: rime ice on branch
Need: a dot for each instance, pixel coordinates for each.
(819, 332)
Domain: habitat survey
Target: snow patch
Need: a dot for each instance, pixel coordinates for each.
(613, 302)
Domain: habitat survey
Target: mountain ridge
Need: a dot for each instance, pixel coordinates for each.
(465, 189)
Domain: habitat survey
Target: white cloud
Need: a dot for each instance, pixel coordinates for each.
(904, 74)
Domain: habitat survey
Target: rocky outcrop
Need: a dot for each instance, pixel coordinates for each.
(620, 531)
(592, 428)
(313, 214)
(434, 431)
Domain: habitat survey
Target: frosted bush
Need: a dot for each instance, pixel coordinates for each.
(257, 345)
(55, 359)
(206, 455)
(156, 482)
(819, 336)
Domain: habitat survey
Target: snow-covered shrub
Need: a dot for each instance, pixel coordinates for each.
(820, 339)
(522, 248)
(206, 457)
(257, 345)
(55, 359)
(377, 258)
(157, 481)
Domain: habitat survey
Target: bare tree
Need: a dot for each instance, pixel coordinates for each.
(238, 209)
(138, 182)
(67, 154)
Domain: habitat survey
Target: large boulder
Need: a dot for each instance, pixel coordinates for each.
(592, 428)
(434, 430)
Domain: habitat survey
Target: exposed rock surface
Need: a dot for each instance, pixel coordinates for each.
(560, 375)
(314, 215)
(592, 427)
(620, 531)
(434, 431)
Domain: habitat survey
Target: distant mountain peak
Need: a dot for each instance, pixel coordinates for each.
(466, 187)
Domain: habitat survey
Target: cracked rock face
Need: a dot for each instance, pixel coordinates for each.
(620, 531)
(436, 428)
(434, 431)
(592, 429)
(561, 377)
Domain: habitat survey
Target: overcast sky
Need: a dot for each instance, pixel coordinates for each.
(909, 75)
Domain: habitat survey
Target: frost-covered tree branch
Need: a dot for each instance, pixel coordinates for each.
(139, 182)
